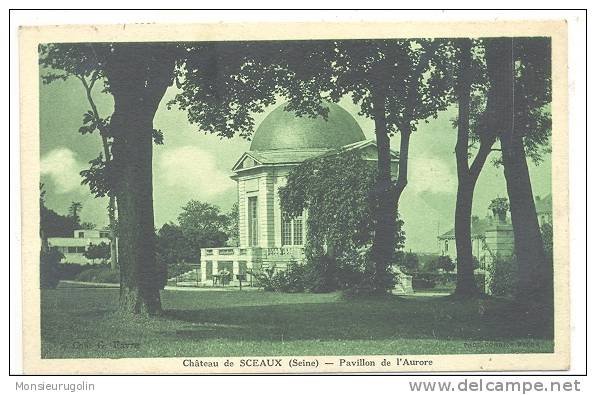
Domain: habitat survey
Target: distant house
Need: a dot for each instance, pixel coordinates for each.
(491, 236)
(479, 227)
(73, 247)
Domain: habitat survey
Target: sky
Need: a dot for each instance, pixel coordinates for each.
(195, 165)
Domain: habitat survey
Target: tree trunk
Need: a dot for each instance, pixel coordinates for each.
(138, 75)
(108, 157)
(113, 235)
(385, 221)
(139, 289)
(111, 205)
(466, 286)
(534, 278)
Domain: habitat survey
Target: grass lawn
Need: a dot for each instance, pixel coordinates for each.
(80, 323)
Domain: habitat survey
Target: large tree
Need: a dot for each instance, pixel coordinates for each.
(61, 62)
(137, 76)
(475, 140)
(396, 84)
(520, 71)
(172, 247)
(52, 224)
(203, 225)
(73, 212)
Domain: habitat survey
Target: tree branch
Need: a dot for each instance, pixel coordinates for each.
(480, 159)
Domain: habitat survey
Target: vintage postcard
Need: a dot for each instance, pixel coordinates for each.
(295, 198)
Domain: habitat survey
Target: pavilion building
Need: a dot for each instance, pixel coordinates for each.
(282, 141)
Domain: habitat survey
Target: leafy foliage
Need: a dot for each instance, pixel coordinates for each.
(264, 278)
(99, 274)
(203, 225)
(293, 279)
(73, 212)
(88, 225)
(533, 94)
(335, 190)
(233, 229)
(445, 263)
(99, 251)
(173, 247)
(49, 260)
(504, 276)
(408, 261)
(499, 205)
(547, 237)
(54, 224)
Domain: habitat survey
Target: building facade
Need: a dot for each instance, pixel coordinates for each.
(492, 238)
(73, 248)
(281, 142)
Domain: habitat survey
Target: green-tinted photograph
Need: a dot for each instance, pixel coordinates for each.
(294, 198)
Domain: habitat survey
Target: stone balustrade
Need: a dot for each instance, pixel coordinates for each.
(240, 260)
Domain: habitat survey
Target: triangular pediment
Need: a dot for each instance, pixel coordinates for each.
(246, 161)
(368, 149)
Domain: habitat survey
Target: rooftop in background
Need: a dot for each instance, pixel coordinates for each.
(283, 129)
(479, 227)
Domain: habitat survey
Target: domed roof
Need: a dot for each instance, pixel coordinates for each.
(285, 130)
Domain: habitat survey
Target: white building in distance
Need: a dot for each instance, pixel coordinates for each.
(73, 247)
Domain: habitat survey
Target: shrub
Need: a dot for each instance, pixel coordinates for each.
(408, 261)
(48, 267)
(480, 279)
(99, 274)
(264, 278)
(326, 274)
(441, 262)
(444, 262)
(339, 192)
(504, 276)
(429, 280)
(291, 280)
(68, 271)
(546, 232)
(321, 274)
(99, 251)
(421, 281)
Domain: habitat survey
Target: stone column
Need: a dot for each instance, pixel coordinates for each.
(500, 244)
(203, 271)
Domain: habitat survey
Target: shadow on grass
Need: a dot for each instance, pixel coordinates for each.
(391, 318)
(262, 323)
